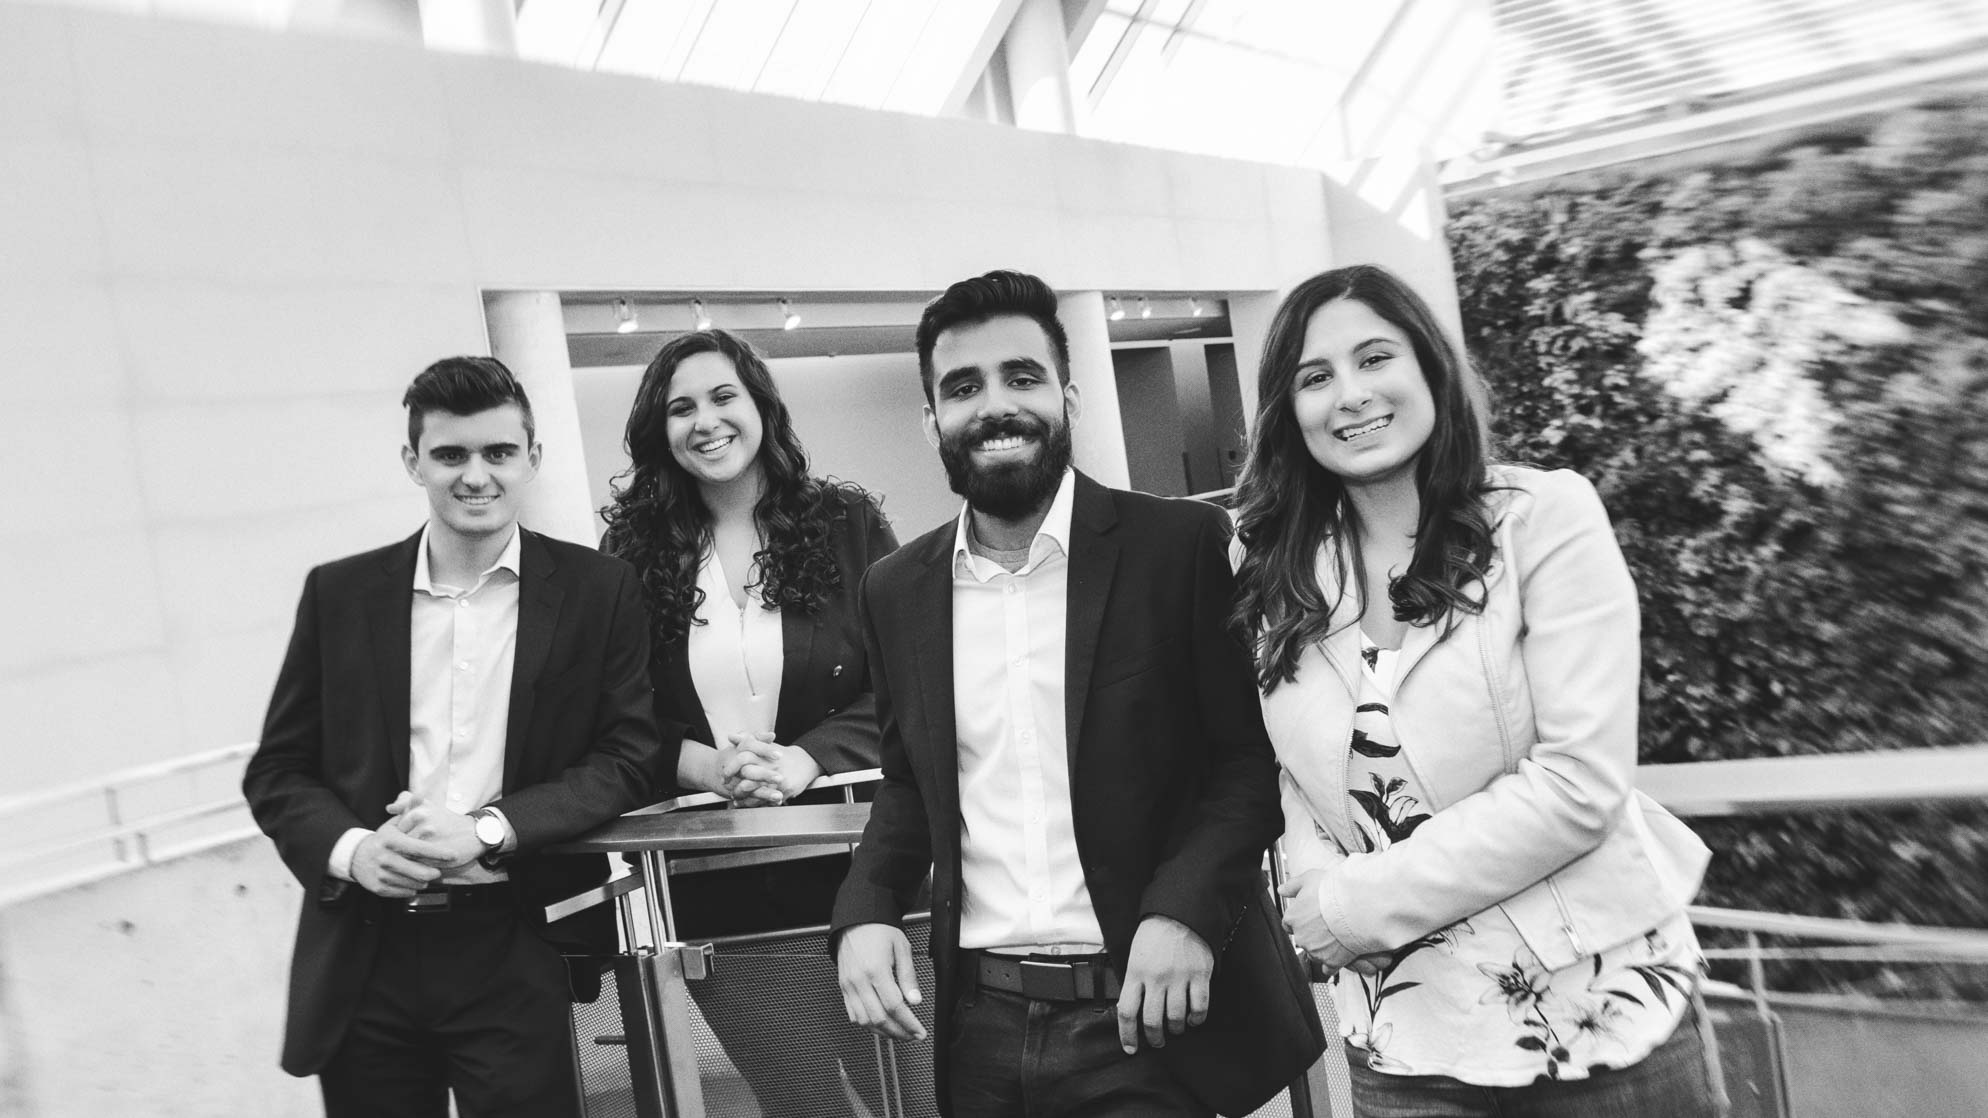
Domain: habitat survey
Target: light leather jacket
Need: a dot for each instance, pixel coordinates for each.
(1521, 725)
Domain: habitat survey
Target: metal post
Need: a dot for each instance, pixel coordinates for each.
(1756, 973)
(116, 818)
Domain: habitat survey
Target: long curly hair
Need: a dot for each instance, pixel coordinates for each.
(1289, 508)
(658, 520)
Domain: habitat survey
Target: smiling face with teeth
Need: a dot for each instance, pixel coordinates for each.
(475, 469)
(1359, 395)
(712, 426)
(1000, 415)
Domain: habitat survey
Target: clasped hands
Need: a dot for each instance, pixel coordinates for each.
(418, 843)
(1164, 993)
(756, 771)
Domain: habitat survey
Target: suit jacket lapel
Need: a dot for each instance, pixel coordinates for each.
(928, 613)
(538, 617)
(1093, 561)
(389, 615)
(798, 693)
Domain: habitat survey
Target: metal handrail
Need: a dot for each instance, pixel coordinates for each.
(128, 843)
(137, 774)
(708, 799)
(1815, 782)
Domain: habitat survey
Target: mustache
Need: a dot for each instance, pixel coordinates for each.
(1005, 427)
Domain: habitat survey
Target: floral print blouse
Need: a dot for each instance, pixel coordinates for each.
(1470, 1001)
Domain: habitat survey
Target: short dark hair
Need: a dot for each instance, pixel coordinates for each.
(973, 301)
(464, 386)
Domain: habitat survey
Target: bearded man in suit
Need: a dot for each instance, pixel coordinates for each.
(1071, 742)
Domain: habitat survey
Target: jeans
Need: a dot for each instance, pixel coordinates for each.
(1013, 1056)
(1680, 1079)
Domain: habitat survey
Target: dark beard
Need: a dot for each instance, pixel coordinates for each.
(1007, 492)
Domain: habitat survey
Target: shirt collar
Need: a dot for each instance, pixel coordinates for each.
(507, 560)
(1054, 532)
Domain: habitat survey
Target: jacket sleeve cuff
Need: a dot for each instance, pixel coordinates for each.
(1332, 908)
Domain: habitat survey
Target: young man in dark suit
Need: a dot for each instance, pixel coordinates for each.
(1071, 742)
(450, 705)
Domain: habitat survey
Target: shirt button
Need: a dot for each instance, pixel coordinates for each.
(461, 602)
(1011, 588)
(461, 734)
(462, 666)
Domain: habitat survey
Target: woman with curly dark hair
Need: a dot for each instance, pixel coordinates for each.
(749, 567)
(1448, 657)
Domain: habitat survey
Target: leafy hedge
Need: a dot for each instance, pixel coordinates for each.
(1776, 371)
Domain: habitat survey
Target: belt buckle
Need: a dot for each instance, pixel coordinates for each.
(1048, 982)
(429, 902)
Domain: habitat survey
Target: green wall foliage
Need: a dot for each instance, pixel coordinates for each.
(1776, 371)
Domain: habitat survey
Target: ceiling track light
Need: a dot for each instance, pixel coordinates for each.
(699, 319)
(788, 319)
(1145, 308)
(1194, 307)
(624, 315)
(1117, 310)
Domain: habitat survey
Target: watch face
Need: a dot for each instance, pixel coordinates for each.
(488, 830)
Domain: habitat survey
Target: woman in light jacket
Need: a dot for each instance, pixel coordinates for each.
(749, 567)
(1447, 650)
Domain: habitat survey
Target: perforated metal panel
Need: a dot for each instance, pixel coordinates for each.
(603, 1032)
(792, 1052)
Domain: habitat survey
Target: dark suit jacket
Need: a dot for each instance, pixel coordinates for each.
(334, 750)
(826, 705)
(1172, 781)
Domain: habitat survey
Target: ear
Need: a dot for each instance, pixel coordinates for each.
(1073, 403)
(931, 427)
(408, 460)
(532, 456)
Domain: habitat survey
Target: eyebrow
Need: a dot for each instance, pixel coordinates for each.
(1011, 365)
(720, 386)
(1327, 361)
(457, 448)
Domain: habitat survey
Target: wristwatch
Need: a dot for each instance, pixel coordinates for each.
(490, 831)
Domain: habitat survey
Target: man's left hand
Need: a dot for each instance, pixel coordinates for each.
(1166, 983)
(454, 833)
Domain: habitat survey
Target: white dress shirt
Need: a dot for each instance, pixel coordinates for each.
(1023, 883)
(462, 645)
(734, 658)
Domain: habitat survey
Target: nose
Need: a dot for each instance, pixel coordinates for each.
(475, 473)
(1355, 394)
(996, 400)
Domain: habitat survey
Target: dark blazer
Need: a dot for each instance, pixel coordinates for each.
(334, 750)
(826, 705)
(1173, 786)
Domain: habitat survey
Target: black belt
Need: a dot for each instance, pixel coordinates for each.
(457, 898)
(1048, 978)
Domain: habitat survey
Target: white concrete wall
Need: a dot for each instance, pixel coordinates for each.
(227, 251)
(157, 993)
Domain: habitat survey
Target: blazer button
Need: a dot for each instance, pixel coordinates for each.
(835, 671)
